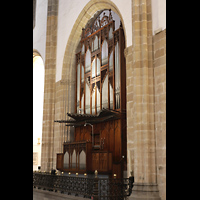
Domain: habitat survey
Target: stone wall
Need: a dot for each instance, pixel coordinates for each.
(141, 141)
(160, 108)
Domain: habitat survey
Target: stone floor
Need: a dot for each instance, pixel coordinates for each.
(47, 195)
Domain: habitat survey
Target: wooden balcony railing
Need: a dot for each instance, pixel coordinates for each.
(80, 157)
(75, 158)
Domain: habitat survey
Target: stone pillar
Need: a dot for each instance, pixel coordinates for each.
(140, 105)
(60, 114)
(49, 88)
(160, 108)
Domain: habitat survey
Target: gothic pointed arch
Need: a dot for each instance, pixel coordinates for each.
(94, 68)
(36, 53)
(86, 14)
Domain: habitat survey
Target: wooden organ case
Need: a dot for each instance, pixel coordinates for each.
(100, 141)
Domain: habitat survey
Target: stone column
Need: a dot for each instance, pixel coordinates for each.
(49, 87)
(60, 114)
(140, 105)
(159, 41)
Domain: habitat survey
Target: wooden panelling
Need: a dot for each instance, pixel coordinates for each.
(89, 157)
(117, 140)
(74, 149)
(111, 136)
(95, 161)
(110, 146)
(102, 161)
(59, 164)
(83, 133)
(117, 170)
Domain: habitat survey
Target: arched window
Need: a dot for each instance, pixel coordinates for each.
(102, 59)
(38, 96)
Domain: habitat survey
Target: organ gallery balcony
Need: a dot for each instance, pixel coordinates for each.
(97, 144)
(82, 158)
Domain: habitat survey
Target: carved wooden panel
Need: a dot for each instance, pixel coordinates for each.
(103, 160)
(95, 161)
(117, 142)
(78, 157)
(97, 25)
